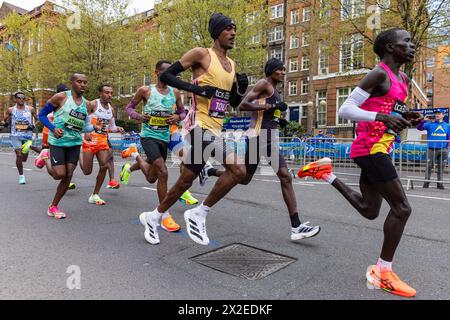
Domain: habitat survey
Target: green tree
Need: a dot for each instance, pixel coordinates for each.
(183, 24)
(18, 68)
(97, 39)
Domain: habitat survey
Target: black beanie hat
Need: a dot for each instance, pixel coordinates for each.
(217, 23)
(272, 65)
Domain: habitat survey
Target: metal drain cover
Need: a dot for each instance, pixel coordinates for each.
(244, 261)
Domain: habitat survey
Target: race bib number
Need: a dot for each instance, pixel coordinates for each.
(75, 121)
(21, 125)
(104, 129)
(277, 114)
(219, 104)
(400, 107)
(159, 120)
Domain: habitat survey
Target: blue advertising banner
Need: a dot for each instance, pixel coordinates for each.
(429, 112)
(236, 123)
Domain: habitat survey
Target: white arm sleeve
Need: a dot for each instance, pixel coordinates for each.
(350, 110)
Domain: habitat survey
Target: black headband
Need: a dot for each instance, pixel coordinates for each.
(272, 65)
(217, 23)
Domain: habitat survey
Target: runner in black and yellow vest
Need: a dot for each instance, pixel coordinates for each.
(216, 86)
(70, 120)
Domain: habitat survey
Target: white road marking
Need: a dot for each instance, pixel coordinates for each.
(426, 197)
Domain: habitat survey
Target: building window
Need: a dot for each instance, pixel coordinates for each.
(323, 60)
(321, 108)
(147, 79)
(305, 39)
(292, 88)
(277, 11)
(121, 86)
(251, 17)
(325, 9)
(305, 63)
(294, 42)
(447, 61)
(429, 77)
(429, 92)
(305, 87)
(277, 53)
(353, 9)
(256, 38)
(40, 43)
(295, 16)
(430, 62)
(30, 45)
(133, 87)
(342, 95)
(276, 34)
(293, 64)
(252, 80)
(306, 14)
(352, 53)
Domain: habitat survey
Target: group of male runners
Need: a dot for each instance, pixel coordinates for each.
(216, 85)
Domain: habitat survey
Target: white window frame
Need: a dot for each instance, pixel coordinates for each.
(323, 57)
(291, 86)
(30, 45)
(252, 80)
(304, 84)
(446, 61)
(353, 42)
(344, 97)
(295, 13)
(272, 55)
(291, 60)
(256, 39)
(305, 38)
(274, 11)
(306, 16)
(319, 111)
(40, 41)
(325, 6)
(303, 63)
(294, 42)
(273, 32)
(357, 8)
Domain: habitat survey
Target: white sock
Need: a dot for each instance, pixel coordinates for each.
(128, 170)
(329, 178)
(134, 156)
(165, 214)
(384, 265)
(203, 210)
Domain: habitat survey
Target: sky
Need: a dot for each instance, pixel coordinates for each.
(139, 5)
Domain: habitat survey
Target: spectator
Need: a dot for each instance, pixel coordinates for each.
(437, 132)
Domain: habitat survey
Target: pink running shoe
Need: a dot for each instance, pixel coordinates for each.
(54, 212)
(40, 160)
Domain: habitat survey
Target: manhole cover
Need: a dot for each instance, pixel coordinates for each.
(244, 261)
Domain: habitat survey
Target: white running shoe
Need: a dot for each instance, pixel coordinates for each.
(304, 231)
(196, 226)
(150, 221)
(203, 176)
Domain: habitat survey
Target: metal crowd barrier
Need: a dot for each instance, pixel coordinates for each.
(416, 159)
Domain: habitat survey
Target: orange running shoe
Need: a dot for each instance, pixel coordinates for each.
(316, 169)
(129, 151)
(169, 224)
(389, 282)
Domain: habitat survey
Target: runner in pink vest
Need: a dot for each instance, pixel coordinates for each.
(378, 105)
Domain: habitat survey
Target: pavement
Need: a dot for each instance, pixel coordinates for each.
(106, 244)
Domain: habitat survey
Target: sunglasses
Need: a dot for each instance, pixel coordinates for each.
(20, 97)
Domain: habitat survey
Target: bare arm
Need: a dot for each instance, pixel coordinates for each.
(260, 89)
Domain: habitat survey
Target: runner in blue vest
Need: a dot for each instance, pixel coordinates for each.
(65, 140)
(21, 117)
(437, 132)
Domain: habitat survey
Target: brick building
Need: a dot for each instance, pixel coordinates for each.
(438, 77)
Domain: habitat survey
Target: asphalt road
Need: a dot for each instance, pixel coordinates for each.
(115, 262)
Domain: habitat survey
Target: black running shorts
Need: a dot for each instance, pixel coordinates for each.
(154, 149)
(60, 156)
(376, 169)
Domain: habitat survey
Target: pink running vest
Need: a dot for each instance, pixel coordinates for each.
(371, 136)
